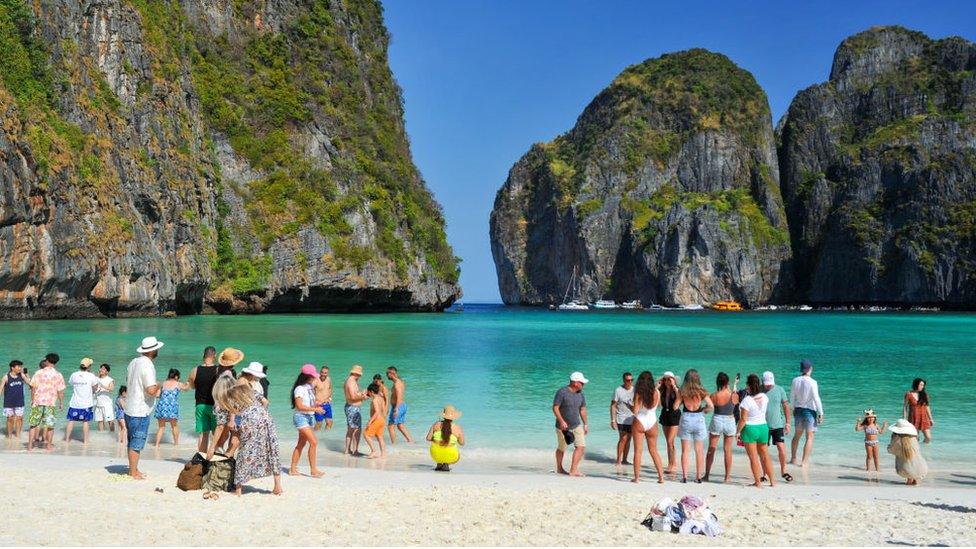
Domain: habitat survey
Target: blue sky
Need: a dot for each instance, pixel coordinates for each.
(483, 80)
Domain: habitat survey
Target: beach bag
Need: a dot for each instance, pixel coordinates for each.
(191, 477)
(220, 474)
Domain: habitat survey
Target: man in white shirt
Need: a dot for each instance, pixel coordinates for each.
(622, 416)
(140, 398)
(82, 401)
(807, 411)
(104, 405)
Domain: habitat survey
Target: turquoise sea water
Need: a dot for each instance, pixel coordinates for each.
(501, 366)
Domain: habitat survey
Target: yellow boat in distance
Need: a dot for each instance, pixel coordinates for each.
(727, 306)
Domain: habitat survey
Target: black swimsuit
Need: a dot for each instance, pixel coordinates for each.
(669, 416)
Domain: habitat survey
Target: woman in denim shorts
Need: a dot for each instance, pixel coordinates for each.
(691, 430)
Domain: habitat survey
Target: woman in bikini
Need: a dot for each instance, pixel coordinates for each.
(869, 424)
(646, 400)
(916, 409)
(670, 416)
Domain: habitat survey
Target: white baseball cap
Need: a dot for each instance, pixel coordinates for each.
(578, 376)
(768, 378)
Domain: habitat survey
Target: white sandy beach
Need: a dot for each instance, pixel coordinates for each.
(83, 500)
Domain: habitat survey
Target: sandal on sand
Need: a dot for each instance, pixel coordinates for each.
(787, 477)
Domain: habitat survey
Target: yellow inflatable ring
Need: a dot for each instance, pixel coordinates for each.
(444, 454)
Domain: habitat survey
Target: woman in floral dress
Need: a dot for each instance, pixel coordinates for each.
(258, 455)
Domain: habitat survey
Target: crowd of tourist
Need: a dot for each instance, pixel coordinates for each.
(232, 419)
(230, 410)
(757, 416)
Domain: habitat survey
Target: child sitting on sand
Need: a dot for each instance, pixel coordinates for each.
(377, 420)
(909, 463)
(869, 424)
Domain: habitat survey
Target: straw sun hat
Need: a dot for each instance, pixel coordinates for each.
(450, 412)
(230, 356)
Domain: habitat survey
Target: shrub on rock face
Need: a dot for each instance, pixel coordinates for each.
(665, 190)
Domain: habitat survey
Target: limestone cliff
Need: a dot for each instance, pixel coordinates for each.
(878, 172)
(160, 156)
(666, 190)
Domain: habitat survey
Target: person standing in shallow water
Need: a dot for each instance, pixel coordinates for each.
(622, 417)
(104, 407)
(13, 387)
(909, 463)
(47, 389)
(807, 411)
(572, 424)
(916, 409)
(397, 406)
(82, 404)
(303, 402)
(323, 398)
(353, 409)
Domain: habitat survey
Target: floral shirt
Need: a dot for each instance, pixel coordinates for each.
(47, 383)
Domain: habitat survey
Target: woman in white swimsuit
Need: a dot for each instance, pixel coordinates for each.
(646, 400)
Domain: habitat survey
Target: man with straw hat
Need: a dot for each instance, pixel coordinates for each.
(140, 398)
(353, 408)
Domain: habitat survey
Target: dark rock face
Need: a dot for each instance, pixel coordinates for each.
(178, 157)
(666, 190)
(878, 168)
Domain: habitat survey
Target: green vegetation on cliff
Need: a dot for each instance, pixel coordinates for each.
(261, 89)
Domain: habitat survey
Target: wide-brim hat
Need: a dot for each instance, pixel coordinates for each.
(356, 370)
(669, 374)
(450, 412)
(230, 356)
(903, 427)
(149, 344)
(256, 369)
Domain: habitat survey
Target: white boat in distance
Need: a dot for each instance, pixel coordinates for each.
(693, 307)
(575, 304)
(635, 304)
(605, 304)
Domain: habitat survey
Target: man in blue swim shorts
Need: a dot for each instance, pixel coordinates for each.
(323, 398)
(398, 406)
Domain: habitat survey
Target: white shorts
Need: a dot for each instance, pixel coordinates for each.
(11, 412)
(105, 413)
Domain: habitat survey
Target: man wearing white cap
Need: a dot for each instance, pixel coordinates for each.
(572, 424)
(778, 419)
(142, 392)
(82, 404)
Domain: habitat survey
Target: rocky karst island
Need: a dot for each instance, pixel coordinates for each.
(180, 157)
(673, 187)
